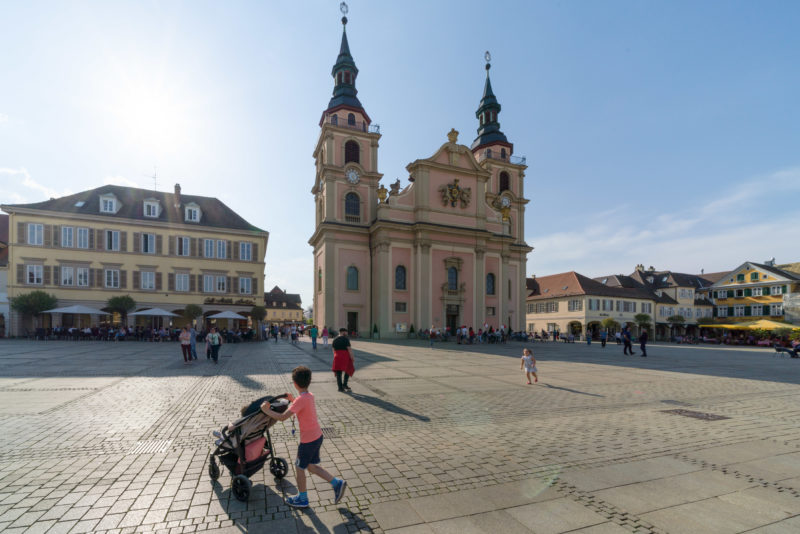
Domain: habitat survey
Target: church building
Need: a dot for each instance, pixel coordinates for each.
(447, 250)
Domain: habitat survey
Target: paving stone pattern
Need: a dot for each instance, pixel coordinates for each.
(115, 437)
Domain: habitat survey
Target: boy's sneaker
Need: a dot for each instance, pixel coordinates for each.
(297, 501)
(338, 490)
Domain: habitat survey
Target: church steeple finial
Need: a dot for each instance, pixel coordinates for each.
(344, 73)
(489, 128)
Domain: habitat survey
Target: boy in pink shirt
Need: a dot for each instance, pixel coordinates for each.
(305, 410)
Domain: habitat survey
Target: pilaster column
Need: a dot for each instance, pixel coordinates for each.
(480, 286)
(382, 294)
(329, 285)
(424, 297)
(502, 310)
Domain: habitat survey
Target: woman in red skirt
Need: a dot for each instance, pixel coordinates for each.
(343, 361)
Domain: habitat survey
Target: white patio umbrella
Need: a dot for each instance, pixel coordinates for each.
(155, 312)
(78, 309)
(227, 315)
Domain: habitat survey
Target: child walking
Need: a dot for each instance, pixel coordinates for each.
(310, 439)
(529, 363)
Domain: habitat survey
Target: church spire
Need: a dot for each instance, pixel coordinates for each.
(344, 74)
(489, 128)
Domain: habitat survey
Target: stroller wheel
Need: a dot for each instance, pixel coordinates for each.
(241, 488)
(213, 469)
(278, 467)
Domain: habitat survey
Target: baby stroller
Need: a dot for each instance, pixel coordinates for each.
(246, 447)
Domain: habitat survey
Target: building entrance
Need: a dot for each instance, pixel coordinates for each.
(452, 318)
(352, 322)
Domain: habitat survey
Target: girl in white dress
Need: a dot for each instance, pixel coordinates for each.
(528, 362)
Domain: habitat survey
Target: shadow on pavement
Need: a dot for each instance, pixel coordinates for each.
(572, 390)
(387, 406)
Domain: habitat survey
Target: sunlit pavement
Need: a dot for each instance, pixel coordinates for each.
(114, 437)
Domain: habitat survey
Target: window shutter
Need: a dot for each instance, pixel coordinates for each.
(193, 283)
(47, 272)
(159, 244)
(48, 235)
(91, 239)
(228, 287)
(730, 311)
(136, 277)
(784, 290)
(254, 285)
(730, 293)
(714, 312)
(101, 244)
(158, 281)
(57, 235)
(170, 281)
(748, 292)
(766, 291)
(123, 279)
(21, 231)
(137, 242)
(56, 277)
(172, 242)
(194, 246)
(123, 241)
(766, 310)
(235, 250)
(747, 310)
(228, 249)
(255, 252)
(20, 273)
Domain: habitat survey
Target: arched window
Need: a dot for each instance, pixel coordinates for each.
(400, 277)
(504, 181)
(351, 150)
(351, 119)
(503, 153)
(489, 153)
(452, 279)
(347, 77)
(352, 278)
(490, 284)
(335, 120)
(339, 79)
(352, 208)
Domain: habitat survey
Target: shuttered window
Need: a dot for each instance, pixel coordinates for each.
(35, 234)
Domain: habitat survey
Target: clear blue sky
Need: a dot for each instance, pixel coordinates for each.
(663, 133)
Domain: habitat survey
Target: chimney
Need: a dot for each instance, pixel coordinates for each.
(177, 196)
(702, 271)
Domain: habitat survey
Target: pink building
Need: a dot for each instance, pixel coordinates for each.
(447, 250)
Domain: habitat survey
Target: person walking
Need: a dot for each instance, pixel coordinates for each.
(312, 333)
(618, 337)
(214, 342)
(528, 362)
(186, 344)
(343, 360)
(193, 341)
(643, 343)
(325, 335)
(626, 341)
(603, 337)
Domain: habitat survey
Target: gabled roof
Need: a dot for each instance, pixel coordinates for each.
(790, 267)
(665, 279)
(279, 296)
(572, 283)
(214, 213)
(776, 271)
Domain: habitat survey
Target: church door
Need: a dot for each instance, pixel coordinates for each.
(452, 318)
(352, 322)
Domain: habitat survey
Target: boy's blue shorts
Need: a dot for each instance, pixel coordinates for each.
(308, 453)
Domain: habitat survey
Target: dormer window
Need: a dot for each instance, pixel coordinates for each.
(192, 213)
(108, 204)
(151, 208)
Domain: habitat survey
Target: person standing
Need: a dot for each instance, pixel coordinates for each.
(618, 337)
(603, 337)
(313, 335)
(325, 335)
(186, 343)
(193, 341)
(293, 334)
(214, 342)
(643, 343)
(343, 360)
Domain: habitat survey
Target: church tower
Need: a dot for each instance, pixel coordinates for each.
(345, 194)
(504, 192)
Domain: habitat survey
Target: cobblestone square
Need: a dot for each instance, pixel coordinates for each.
(114, 438)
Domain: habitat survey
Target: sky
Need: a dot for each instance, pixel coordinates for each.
(661, 133)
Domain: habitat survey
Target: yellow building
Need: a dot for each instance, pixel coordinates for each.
(283, 307)
(165, 250)
(754, 291)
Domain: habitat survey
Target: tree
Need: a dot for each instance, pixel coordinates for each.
(706, 321)
(675, 320)
(121, 304)
(642, 320)
(257, 313)
(192, 312)
(34, 303)
(609, 323)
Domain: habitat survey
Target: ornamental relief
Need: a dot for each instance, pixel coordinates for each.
(454, 194)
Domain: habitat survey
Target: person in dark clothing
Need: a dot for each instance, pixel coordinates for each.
(643, 343)
(626, 341)
(343, 361)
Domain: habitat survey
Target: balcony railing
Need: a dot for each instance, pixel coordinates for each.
(343, 122)
(499, 155)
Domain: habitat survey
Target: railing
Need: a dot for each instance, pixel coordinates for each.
(493, 154)
(343, 122)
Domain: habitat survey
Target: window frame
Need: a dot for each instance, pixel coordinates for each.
(112, 237)
(248, 247)
(183, 246)
(351, 278)
(351, 201)
(147, 245)
(34, 274)
(108, 205)
(400, 284)
(182, 281)
(222, 249)
(206, 244)
(110, 279)
(150, 205)
(208, 283)
(37, 233)
(194, 212)
(65, 270)
(221, 284)
(151, 280)
(82, 238)
(82, 274)
(400, 307)
(67, 237)
(452, 278)
(491, 288)
(245, 281)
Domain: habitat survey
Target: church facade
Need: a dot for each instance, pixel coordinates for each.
(447, 250)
